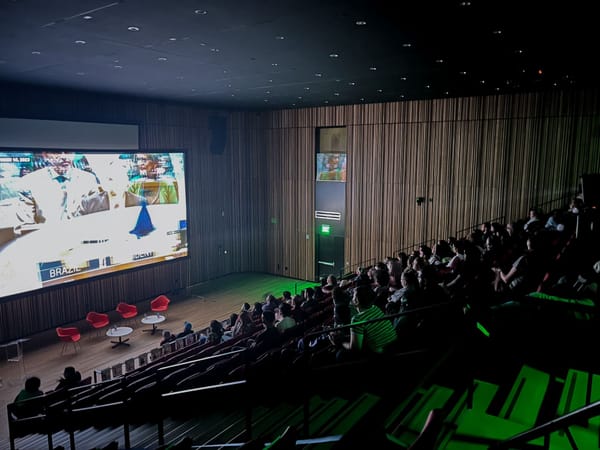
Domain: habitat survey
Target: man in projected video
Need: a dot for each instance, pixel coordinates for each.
(151, 181)
(59, 191)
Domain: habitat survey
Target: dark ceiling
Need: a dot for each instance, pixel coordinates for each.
(273, 54)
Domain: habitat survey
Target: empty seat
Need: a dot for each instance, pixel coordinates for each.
(68, 335)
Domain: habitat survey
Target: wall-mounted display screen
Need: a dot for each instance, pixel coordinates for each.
(69, 215)
(331, 167)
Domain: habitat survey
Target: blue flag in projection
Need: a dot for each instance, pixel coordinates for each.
(144, 225)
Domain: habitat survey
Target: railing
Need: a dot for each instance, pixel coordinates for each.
(544, 430)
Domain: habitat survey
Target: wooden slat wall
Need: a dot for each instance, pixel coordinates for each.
(225, 193)
(251, 208)
(472, 159)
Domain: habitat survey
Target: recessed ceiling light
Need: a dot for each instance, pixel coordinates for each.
(280, 38)
(318, 75)
(214, 49)
(401, 95)
(326, 102)
(265, 100)
(361, 23)
(407, 45)
(403, 78)
(87, 17)
(337, 94)
(362, 99)
(446, 93)
(497, 32)
(351, 83)
(307, 88)
(380, 90)
(334, 55)
(519, 51)
(80, 42)
(427, 86)
(161, 58)
(201, 12)
(300, 97)
(465, 3)
(267, 92)
(482, 81)
(202, 44)
(462, 73)
(133, 28)
(35, 52)
(270, 81)
(373, 68)
(274, 64)
(172, 38)
(439, 61)
(118, 67)
(193, 89)
(233, 95)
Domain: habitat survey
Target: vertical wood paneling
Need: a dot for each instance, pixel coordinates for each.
(476, 158)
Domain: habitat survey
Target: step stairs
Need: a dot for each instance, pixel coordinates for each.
(493, 418)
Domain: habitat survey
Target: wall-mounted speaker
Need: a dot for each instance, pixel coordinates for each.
(217, 127)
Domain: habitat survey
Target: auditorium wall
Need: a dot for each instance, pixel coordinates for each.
(252, 205)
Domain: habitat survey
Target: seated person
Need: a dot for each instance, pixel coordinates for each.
(269, 337)
(31, 390)
(70, 378)
(187, 329)
(167, 337)
(285, 319)
(367, 338)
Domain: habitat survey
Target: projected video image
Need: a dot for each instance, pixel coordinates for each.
(331, 167)
(67, 216)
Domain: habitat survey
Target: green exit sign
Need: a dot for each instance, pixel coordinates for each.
(325, 229)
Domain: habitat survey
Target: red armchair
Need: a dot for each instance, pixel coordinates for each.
(160, 304)
(127, 311)
(68, 335)
(97, 320)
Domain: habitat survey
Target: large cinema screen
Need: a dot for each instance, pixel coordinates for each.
(67, 215)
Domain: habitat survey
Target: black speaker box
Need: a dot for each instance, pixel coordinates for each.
(218, 134)
(590, 188)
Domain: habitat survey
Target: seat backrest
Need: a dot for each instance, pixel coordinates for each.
(68, 333)
(95, 317)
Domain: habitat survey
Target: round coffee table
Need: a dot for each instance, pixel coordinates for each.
(153, 319)
(119, 332)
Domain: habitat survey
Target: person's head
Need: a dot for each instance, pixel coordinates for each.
(285, 310)
(331, 280)
(61, 162)
(363, 296)
(147, 164)
(268, 317)
(69, 373)
(339, 296)
(216, 326)
(32, 384)
(166, 334)
(187, 326)
(246, 307)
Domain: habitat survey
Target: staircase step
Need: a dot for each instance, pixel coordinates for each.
(485, 426)
(483, 394)
(346, 420)
(584, 438)
(580, 389)
(405, 424)
(526, 396)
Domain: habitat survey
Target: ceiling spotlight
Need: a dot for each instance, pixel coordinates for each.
(161, 58)
(439, 61)
(407, 45)
(133, 28)
(465, 3)
(462, 73)
(267, 92)
(266, 100)
(337, 94)
(334, 55)
(80, 42)
(118, 67)
(427, 86)
(201, 12)
(482, 81)
(35, 52)
(326, 102)
(362, 99)
(172, 38)
(360, 23)
(351, 83)
(403, 78)
(380, 90)
(307, 88)
(87, 17)
(373, 68)
(214, 49)
(318, 75)
(280, 38)
(274, 64)
(497, 32)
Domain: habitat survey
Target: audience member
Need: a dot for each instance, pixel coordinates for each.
(167, 337)
(31, 390)
(187, 329)
(70, 378)
(285, 319)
